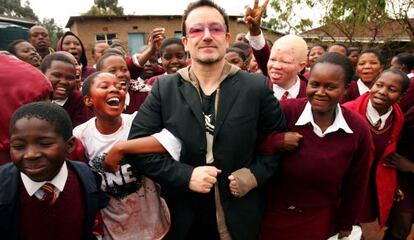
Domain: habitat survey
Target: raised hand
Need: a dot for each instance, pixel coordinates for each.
(156, 37)
(253, 17)
(203, 178)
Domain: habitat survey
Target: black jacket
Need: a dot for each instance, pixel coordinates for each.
(9, 199)
(246, 108)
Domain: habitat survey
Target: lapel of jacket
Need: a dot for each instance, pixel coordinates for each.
(229, 90)
(192, 98)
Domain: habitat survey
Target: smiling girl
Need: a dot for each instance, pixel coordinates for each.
(380, 109)
(322, 181)
(370, 64)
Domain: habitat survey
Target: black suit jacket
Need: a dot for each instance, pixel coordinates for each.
(246, 108)
(10, 182)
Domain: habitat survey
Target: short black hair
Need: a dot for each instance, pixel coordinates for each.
(244, 47)
(113, 50)
(203, 3)
(341, 45)
(352, 49)
(339, 60)
(11, 48)
(321, 45)
(406, 59)
(241, 45)
(96, 43)
(57, 56)
(376, 52)
(101, 60)
(170, 41)
(238, 51)
(405, 80)
(87, 83)
(52, 113)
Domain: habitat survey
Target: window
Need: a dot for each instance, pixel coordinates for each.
(178, 34)
(107, 37)
(135, 42)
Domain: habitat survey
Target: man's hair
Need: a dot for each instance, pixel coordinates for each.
(321, 45)
(405, 80)
(341, 45)
(238, 51)
(339, 60)
(113, 50)
(241, 45)
(57, 56)
(96, 43)
(51, 113)
(203, 3)
(352, 49)
(11, 48)
(170, 41)
(406, 59)
(101, 60)
(376, 52)
(86, 86)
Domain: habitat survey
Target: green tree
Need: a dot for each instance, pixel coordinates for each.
(14, 8)
(105, 8)
(399, 10)
(345, 16)
(55, 32)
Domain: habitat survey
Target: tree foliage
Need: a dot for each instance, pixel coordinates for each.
(14, 8)
(400, 10)
(105, 8)
(55, 32)
(345, 16)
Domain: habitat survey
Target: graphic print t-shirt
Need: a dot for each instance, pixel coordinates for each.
(135, 209)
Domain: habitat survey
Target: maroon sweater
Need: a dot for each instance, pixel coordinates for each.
(407, 101)
(137, 99)
(63, 220)
(352, 92)
(322, 171)
(76, 108)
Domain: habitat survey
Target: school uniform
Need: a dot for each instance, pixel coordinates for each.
(383, 180)
(75, 107)
(134, 100)
(405, 148)
(323, 181)
(355, 89)
(71, 216)
(298, 90)
(407, 101)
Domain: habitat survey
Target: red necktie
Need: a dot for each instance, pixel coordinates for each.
(49, 195)
(285, 95)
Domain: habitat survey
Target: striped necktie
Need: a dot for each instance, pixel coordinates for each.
(285, 95)
(49, 194)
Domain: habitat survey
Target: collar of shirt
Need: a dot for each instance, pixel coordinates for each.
(339, 122)
(58, 181)
(293, 91)
(127, 100)
(410, 75)
(373, 115)
(60, 102)
(362, 88)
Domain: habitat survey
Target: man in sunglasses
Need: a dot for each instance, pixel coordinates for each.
(217, 111)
